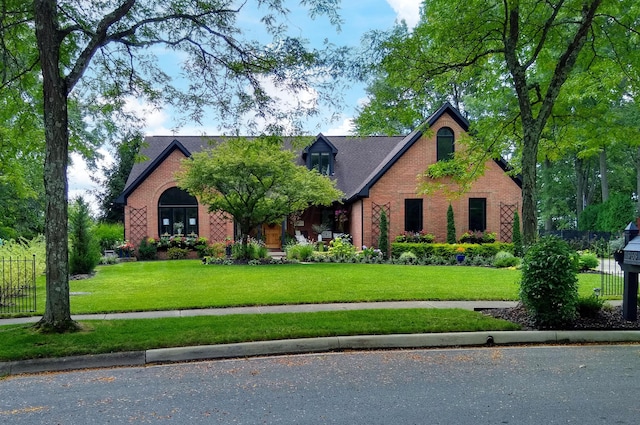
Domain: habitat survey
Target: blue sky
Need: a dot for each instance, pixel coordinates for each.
(359, 16)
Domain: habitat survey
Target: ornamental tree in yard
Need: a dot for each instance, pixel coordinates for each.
(254, 181)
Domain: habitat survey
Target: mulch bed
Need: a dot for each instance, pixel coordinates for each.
(609, 318)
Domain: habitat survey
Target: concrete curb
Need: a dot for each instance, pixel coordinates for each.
(315, 345)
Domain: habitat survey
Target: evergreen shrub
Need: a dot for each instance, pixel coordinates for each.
(549, 286)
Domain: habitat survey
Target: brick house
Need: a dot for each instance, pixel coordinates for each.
(375, 173)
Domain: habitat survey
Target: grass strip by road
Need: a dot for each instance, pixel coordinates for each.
(166, 285)
(20, 342)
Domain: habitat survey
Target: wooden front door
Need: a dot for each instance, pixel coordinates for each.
(272, 235)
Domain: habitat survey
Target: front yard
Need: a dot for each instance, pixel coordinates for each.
(189, 284)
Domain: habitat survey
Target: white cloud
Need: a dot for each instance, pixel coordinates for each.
(344, 129)
(80, 183)
(409, 10)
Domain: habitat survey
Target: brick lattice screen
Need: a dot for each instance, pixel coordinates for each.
(138, 224)
(376, 212)
(507, 212)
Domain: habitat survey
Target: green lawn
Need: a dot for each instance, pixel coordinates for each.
(162, 285)
(105, 336)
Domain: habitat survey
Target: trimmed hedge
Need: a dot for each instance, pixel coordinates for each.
(421, 250)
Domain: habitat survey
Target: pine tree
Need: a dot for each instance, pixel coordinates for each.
(383, 239)
(451, 226)
(85, 254)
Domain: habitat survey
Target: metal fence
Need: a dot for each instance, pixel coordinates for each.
(17, 285)
(611, 277)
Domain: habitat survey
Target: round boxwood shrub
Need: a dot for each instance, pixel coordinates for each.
(588, 261)
(549, 286)
(505, 259)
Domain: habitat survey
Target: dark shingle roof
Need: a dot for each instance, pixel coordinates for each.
(359, 161)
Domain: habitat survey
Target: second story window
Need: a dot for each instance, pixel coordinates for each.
(445, 144)
(321, 161)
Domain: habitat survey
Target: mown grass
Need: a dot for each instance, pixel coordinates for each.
(188, 284)
(106, 336)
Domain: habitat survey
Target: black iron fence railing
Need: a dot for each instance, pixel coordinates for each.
(17, 285)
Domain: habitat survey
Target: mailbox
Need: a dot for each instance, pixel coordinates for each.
(631, 257)
(631, 266)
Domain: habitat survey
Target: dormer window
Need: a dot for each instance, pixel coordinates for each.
(320, 155)
(445, 144)
(321, 161)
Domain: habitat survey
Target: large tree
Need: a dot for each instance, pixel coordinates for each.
(254, 182)
(518, 56)
(105, 52)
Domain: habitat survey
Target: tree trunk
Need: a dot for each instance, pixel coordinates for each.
(638, 181)
(580, 186)
(57, 314)
(548, 182)
(529, 176)
(604, 180)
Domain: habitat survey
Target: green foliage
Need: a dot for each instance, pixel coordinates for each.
(505, 259)
(254, 250)
(516, 238)
(147, 250)
(342, 249)
(407, 257)
(85, 251)
(25, 249)
(587, 260)
(383, 239)
(616, 213)
(415, 237)
(423, 250)
(175, 253)
(588, 219)
(589, 306)
(451, 226)
(610, 216)
(108, 234)
(478, 237)
(300, 252)
(549, 286)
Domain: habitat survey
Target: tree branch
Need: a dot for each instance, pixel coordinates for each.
(98, 39)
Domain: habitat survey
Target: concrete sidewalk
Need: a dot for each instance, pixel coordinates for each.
(296, 308)
(308, 345)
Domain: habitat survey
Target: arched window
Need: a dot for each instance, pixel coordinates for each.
(445, 144)
(177, 213)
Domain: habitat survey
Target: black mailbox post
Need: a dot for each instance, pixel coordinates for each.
(631, 267)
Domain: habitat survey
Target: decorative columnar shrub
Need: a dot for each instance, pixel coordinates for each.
(516, 236)
(383, 240)
(549, 286)
(451, 226)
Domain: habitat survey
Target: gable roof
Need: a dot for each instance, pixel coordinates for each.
(406, 143)
(359, 161)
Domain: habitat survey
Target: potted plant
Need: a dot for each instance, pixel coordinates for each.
(320, 229)
(460, 254)
(616, 247)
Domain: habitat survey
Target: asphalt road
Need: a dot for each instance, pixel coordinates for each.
(530, 385)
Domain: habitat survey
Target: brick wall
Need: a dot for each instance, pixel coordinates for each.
(400, 182)
(211, 226)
